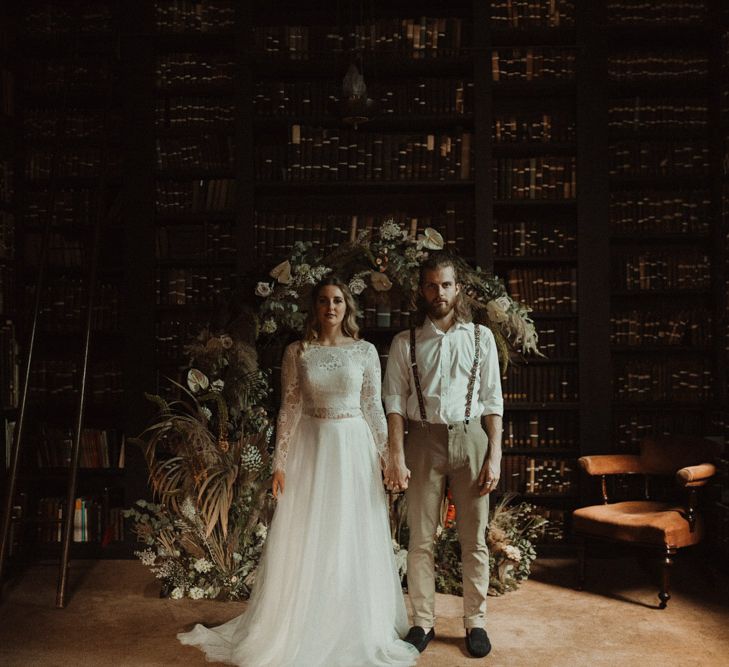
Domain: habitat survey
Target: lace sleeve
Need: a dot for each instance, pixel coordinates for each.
(290, 412)
(371, 401)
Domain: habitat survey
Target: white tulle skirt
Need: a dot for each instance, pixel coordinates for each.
(327, 592)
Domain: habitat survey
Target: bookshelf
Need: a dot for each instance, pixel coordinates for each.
(577, 151)
(67, 129)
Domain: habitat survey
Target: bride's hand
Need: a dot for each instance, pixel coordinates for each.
(278, 483)
(397, 476)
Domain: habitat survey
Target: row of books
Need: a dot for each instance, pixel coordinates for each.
(535, 384)
(320, 154)
(658, 270)
(656, 66)
(680, 380)
(207, 151)
(555, 530)
(209, 241)
(93, 520)
(56, 77)
(522, 126)
(546, 290)
(667, 327)
(423, 37)
(276, 232)
(632, 427)
(646, 114)
(64, 303)
(7, 185)
(531, 63)
(191, 286)
(391, 309)
(49, 19)
(75, 206)
(179, 70)
(76, 162)
(75, 123)
(171, 334)
(9, 365)
(665, 158)
(7, 92)
(525, 14)
(558, 338)
(535, 178)
(538, 476)
(667, 12)
(667, 212)
(534, 238)
(193, 111)
(99, 448)
(447, 96)
(61, 379)
(194, 196)
(540, 429)
(63, 251)
(174, 16)
(7, 235)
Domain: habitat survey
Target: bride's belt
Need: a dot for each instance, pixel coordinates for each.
(333, 413)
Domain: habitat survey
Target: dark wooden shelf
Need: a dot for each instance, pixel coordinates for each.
(685, 87)
(565, 452)
(197, 90)
(540, 361)
(663, 237)
(532, 148)
(536, 203)
(379, 121)
(552, 259)
(553, 316)
(662, 406)
(534, 36)
(195, 173)
(538, 87)
(49, 473)
(552, 406)
(659, 349)
(297, 188)
(195, 130)
(199, 217)
(661, 292)
(691, 179)
(197, 263)
(660, 134)
(201, 42)
(648, 35)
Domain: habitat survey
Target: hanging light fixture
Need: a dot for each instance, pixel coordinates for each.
(354, 106)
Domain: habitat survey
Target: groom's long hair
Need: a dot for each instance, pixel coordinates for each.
(435, 261)
(349, 324)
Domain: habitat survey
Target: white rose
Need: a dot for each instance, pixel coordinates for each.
(495, 312)
(206, 411)
(357, 286)
(263, 289)
(504, 302)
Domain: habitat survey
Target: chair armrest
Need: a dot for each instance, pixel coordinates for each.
(697, 475)
(612, 464)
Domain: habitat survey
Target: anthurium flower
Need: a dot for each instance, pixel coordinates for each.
(431, 239)
(380, 281)
(197, 380)
(282, 272)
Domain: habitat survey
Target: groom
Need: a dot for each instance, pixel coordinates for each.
(442, 378)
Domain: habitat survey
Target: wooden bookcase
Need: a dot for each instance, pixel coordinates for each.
(67, 134)
(233, 147)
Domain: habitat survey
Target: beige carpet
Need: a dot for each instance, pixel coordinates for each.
(115, 617)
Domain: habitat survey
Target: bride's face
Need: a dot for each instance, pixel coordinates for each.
(330, 307)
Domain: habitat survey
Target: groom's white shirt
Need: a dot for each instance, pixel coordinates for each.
(444, 364)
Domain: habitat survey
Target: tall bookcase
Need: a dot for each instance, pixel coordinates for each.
(67, 146)
(578, 150)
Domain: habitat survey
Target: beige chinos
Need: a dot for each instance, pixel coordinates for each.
(426, 455)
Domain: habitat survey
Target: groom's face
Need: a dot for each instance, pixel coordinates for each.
(440, 289)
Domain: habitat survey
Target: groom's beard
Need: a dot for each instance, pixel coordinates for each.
(440, 308)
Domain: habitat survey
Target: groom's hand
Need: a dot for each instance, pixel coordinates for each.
(397, 476)
(488, 480)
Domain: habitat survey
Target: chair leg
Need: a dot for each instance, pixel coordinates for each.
(581, 562)
(667, 563)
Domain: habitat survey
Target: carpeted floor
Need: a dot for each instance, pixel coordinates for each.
(116, 617)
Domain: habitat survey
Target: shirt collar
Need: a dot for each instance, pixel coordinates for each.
(429, 329)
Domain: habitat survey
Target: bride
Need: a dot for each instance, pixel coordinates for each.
(327, 591)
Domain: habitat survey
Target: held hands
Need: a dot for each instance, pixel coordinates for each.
(278, 483)
(397, 475)
(488, 478)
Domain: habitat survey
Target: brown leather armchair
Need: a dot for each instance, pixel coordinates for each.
(665, 526)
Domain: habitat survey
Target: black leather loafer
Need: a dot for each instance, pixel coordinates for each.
(418, 637)
(477, 642)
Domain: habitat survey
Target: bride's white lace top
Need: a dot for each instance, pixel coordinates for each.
(329, 383)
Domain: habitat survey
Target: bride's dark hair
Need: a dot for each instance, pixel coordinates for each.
(349, 324)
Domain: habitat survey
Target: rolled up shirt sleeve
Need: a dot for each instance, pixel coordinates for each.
(490, 397)
(396, 386)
